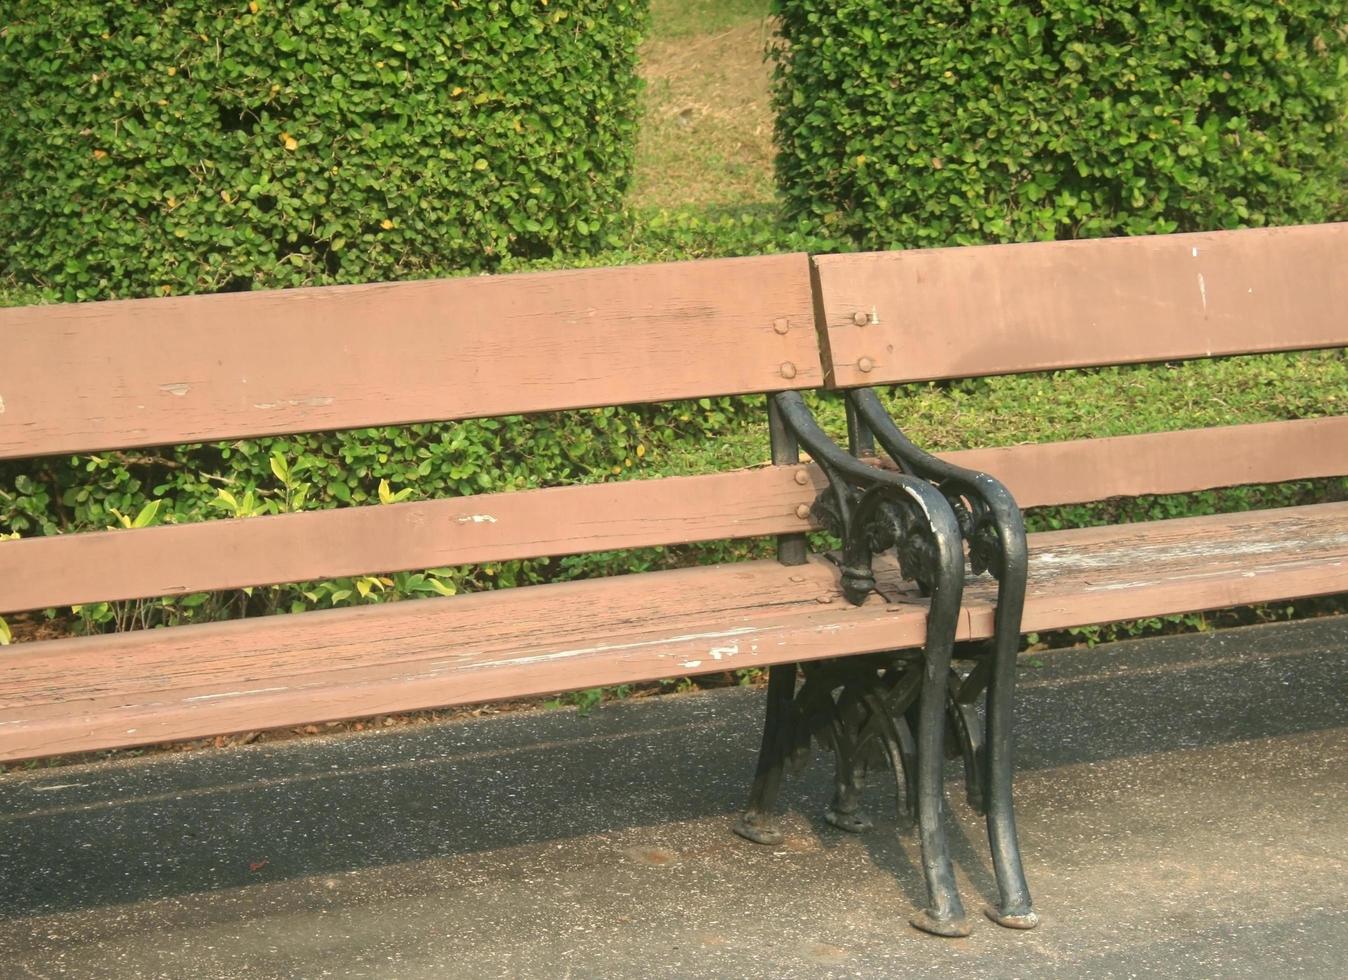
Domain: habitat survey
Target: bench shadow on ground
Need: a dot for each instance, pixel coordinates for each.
(109, 834)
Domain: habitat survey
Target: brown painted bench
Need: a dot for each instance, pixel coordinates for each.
(958, 313)
(117, 375)
(843, 673)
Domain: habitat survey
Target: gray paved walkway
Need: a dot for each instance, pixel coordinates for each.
(1182, 802)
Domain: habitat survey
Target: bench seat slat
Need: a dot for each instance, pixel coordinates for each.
(36, 573)
(1002, 309)
(136, 688)
(1087, 576)
(195, 681)
(115, 375)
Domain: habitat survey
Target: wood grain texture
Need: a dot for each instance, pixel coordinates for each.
(112, 375)
(1165, 462)
(73, 695)
(1101, 575)
(136, 688)
(1003, 309)
(36, 573)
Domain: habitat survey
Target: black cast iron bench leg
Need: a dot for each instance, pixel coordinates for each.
(992, 524)
(872, 511)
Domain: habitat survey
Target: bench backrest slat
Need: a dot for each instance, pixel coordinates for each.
(1086, 470)
(36, 573)
(1003, 309)
(84, 377)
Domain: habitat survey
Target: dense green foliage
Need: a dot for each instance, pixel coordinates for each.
(939, 122)
(195, 145)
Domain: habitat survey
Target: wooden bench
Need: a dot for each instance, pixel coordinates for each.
(958, 313)
(844, 673)
(117, 375)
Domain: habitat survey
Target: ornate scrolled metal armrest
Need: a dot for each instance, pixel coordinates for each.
(989, 518)
(873, 510)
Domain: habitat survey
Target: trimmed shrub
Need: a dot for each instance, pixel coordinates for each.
(196, 145)
(940, 122)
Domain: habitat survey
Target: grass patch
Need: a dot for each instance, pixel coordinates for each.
(706, 132)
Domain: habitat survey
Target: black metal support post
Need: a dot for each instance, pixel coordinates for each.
(859, 706)
(991, 523)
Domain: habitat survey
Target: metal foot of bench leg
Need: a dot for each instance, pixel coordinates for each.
(756, 823)
(1015, 909)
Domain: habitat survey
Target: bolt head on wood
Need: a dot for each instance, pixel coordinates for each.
(788, 370)
(781, 324)
(803, 512)
(865, 365)
(860, 318)
(802, 477)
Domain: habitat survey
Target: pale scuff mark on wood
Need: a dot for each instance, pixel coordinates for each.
(717, 653)
(178, 388)
(727, 651)
(234, 694)
(477, 519)
(2, 404)
(316, 401)
(608, 648)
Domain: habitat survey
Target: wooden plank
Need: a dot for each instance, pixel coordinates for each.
(36, 573)
(1003, 309)
(137, 688)
(93, 376)
(1087, 576)
(1165, 462)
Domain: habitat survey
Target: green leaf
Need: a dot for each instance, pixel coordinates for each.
(147, 514)
(442, 587)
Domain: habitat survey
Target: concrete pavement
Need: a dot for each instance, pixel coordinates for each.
(1183, 807)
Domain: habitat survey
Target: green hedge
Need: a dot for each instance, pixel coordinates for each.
(195, 146)
(199, 145)
(938, 122)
